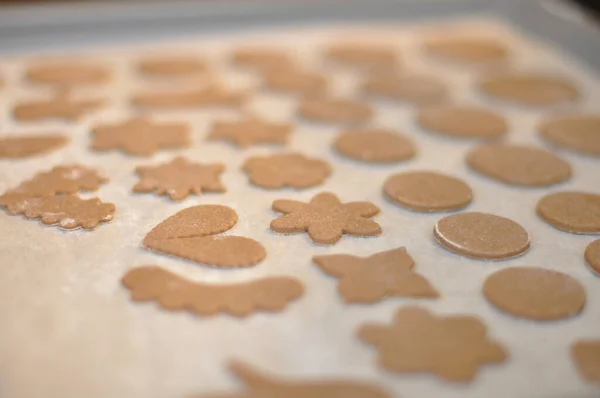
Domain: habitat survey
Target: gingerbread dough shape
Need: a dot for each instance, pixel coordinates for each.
(412, 88)
(61, 107)
(68, 74)
(375, 146)
(451, 347)
(592, 256)
(369, 57)
(462, 122)
(374, 278)
(571, 211)
(173, 66)
(249, 131)
(325, 218)
(175, 293)
(33, 145)
(578, 133)
(211, 96)
(530, 89)
(427, 191)
(262, 59)
(328, 110)
(190, 234)
(292, 170)
(586, 355)
(468, 50)
(534, 293)
(481, 236)
(296, 82)
(519, 165)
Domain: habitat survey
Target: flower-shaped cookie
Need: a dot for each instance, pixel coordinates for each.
(286, 170)
(325, 218)
(453, 347)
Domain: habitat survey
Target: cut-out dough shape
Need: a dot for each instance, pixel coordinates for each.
(188, 234)
(250, 131)
(296, 82)
(211, 96)
(258, 385)
(463, 122)
(374, 278)
(592, 256)
(24, 147)
(534, 293)
(262, 59)
(452, 347)
(68, 74)
(374, 145)
(530, 89)
(286, 170)
(416, 89)
(140, 137)
(173, 66)
(427, 191)
(179, 178)
(571, 211)
(468, 50)
(481, 236)
(586, 356)
(175, 293)
(325, 218)
(335, 111)
(579, 133)
(370, 57)
(60, 107)
(519, 165)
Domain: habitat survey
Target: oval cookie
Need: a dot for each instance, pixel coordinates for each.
(519, 165)
(364, 56)
(592, 256)
(481, 236)
(335, 111)
(534, 293)
(410, 88)
(172, 66)
(427, 191)
(462, 121)
(530, 89)
(296, 82)
(374, 146)
(579, 133)
(571, 211)
(67, 74)
(468, 50)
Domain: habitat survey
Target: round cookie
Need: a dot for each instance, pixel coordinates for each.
(411, 88)
(427, 191)
(481, 236)
(462, 121)
(534, 293)
(468, 50)
(296, 82)
(592, 256)
(579, 133)
(363, 56)
(335, 111)
(571, 211)
(374, 146)
(530, 89)
(518, 165)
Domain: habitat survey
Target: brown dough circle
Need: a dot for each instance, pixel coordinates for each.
(374, 146)
(571, 211)
(579, 133)
(411, 88)
(470, 50)
(530, 89)
(462, 121)
(335, 111)
(481, 236)
(427, 191)
(519, 165)
(534, 293)
(296, 82)
(592, 256)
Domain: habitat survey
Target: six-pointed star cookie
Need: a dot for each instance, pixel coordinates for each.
(250, 131)
(179, 178)
(325, 218)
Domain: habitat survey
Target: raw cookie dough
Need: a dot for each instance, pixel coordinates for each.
(210, 96)
(370, 57)
(412, 88)
(250, 130)
(427, 191)
(592, 256)
(458, 121)
(481, 236)
(60, 107)
(286, 170)
(14, 147)
(332, 110)
(530, 89)
(571, 211)
(534, 293)
(586, 355)
(262, 59)
(468, 50)
(296, 82)
(67, 74)
(325, 218)
(174, 66)
(190, 234)
(579, 133)
(374, 278)
(179, 178)
(175, 293)
(373, 145)
(519, 165)
(452, 347)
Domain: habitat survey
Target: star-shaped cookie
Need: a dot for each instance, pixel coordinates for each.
(325, 218)
(372, 279)
(250, 131)
(179, 178)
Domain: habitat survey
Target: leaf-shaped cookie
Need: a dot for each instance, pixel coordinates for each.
(173, 292)
(188, 234)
